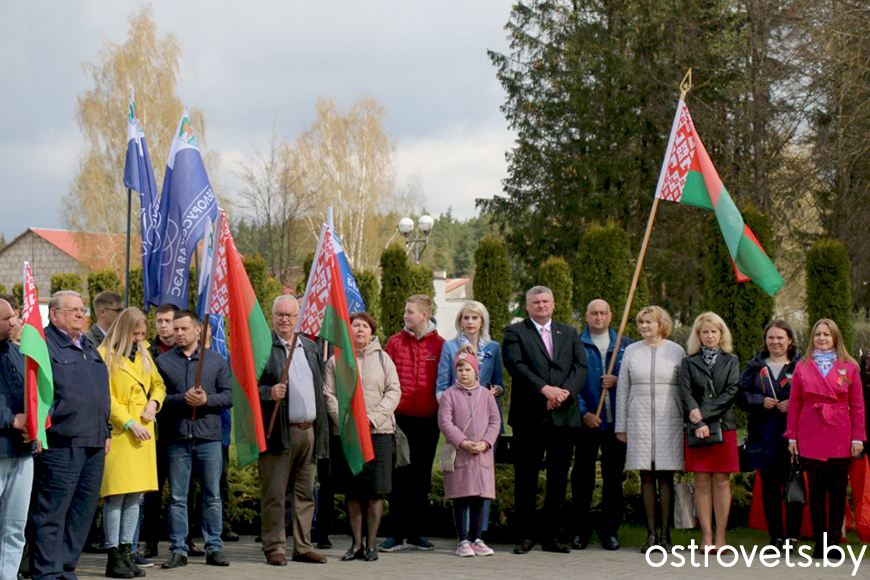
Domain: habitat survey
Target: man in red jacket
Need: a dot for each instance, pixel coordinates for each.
(416, 352)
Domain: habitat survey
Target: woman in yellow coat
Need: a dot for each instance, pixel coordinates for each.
(131, 466)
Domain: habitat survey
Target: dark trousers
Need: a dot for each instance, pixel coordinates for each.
(550, 447)
(66, 483)
(828, 481)
(587, 445)
(773, 480)
(409, 499)
(154, 527)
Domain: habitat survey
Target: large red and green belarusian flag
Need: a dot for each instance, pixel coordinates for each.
(324, 313)
(38, 378)
(688, 176)
(250, 341)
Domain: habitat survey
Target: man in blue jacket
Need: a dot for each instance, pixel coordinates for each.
(192, 417)
(68, 475)
(16, 449)
(599, 341)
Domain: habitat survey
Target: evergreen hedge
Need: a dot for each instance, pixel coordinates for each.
(555, 274)
(137, 291)
(68, 281)
(100, 281)
(395, 288)
(423, 282)
(370, 290)
(745, 307)
(18, 292)
(492, 283)
(829, 294)
(266, 289)
(303, 279)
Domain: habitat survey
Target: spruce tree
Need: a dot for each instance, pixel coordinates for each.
(492, 286)
(829, 294)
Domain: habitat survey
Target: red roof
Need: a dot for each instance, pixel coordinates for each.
(455, 283)
(95, 250)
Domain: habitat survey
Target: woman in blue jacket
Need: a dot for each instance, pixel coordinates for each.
(764, 392)
(472, 330)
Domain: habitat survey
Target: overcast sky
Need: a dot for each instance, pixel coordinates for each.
(257, 64)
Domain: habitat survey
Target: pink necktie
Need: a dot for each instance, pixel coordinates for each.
(548, 340)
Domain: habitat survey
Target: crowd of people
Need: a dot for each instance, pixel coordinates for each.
(130, 414)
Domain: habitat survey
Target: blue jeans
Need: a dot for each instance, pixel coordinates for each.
(16, 480)
(121, 518)
(205, 457)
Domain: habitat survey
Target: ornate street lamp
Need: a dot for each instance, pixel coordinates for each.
(416, 243)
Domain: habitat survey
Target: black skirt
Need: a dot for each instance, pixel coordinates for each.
(375, 481)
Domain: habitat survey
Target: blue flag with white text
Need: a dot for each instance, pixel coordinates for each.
(355, 302)
(139, 176)
(187, 201)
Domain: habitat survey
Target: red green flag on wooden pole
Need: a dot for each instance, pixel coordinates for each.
(688, 176)
(250, 341)
(324, 313)
(38, 378)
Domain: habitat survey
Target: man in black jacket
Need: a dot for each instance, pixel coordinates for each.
(547, 365)
(300, 435)
(193, 428)
(68, 475)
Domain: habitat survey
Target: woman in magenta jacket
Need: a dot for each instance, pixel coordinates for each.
(826, 426)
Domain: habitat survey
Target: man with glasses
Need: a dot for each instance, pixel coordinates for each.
(67, 475)
(599, 341)
(107, 307)
(299, 437)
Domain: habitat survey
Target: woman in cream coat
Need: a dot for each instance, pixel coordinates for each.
(382, 393)
(649, 418)
(137, 391)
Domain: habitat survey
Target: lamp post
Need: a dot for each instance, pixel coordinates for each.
(417, 243)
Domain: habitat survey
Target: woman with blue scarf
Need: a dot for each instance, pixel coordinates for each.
(472, 328)
(826, 427)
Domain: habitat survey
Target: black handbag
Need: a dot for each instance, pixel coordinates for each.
(795, 488)
(743, 454)
(503, 450)
(714, 438)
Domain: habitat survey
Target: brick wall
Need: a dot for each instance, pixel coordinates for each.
(45, 261)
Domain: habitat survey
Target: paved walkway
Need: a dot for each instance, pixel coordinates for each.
(594, 562)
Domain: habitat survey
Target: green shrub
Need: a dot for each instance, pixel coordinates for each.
(423, 282)
(829, 294)
(492, 283)
(100, 281)
(2, 288)
(555, 274)
(18, 292)
(395, 288)
(745, 307)
(303, 279)
(370, 290)
(137, 291)
(66, 282)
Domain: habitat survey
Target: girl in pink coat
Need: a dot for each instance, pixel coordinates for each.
(470, 420)
(826, 426)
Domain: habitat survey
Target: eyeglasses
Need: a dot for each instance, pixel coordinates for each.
(597, 313)
(119, 309)
(76, 310)
(281, 315)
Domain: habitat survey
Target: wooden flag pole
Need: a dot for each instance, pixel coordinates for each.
(284, 378)
(685, 87)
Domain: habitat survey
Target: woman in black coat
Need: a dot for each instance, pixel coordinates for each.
(764, 392)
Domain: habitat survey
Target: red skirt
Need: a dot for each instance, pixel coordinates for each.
(719, 458)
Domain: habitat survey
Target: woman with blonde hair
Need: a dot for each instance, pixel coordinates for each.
(137, 391)
(826, 426)
(649, 419)
(710, 383)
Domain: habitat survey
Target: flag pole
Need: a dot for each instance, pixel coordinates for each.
(685, 87)
(203, 328)
(127, 267)
(284, 378)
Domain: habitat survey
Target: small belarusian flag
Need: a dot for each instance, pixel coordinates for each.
(38, 378)
(688, 176)
(232, 296)
(324, 313)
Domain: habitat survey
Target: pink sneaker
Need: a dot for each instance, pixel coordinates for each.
(464, 550)
(481, 549)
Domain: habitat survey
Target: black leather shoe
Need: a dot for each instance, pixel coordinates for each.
(651, 541)
(556, 547)
(324, 544)
(229, 535)
(150, 550)
(610, 543)
(176, 560)
(580, 542)
(217, 559)
(352, 554)
(371, 554)
(194, 551)
(524, 547)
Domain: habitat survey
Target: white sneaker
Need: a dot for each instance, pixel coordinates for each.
(481, 549)
(464, 549)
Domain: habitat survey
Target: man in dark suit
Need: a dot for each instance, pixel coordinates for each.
(107, 307)
(547, 365)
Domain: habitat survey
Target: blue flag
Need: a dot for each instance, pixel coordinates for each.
(203, 277)
(355, 302)
(186, 202)
(139, 176)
